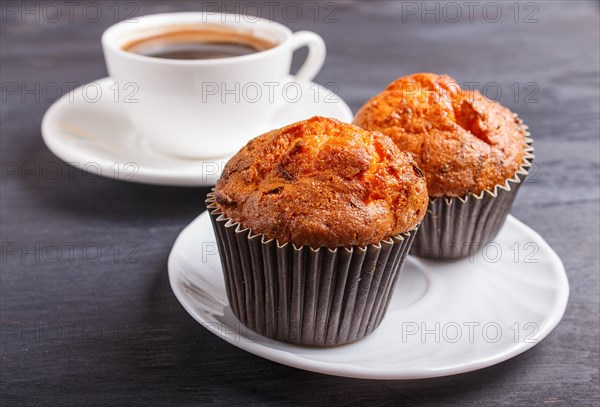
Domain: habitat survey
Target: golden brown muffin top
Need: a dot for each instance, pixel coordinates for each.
(321, 182)
(463, 142)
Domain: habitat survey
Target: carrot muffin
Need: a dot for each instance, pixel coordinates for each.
(465, 144)
(314, 221)
(323, 183)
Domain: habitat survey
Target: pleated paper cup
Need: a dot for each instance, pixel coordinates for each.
(302, 295)
(455, 228)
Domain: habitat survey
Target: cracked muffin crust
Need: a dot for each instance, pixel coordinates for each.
(321, 182)
(463, 142)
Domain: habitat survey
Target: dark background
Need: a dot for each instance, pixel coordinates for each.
(109, 331)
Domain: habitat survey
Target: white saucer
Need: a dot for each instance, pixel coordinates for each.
(478, 298)
(88, 130)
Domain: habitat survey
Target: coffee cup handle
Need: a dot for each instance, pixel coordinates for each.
(316, 54)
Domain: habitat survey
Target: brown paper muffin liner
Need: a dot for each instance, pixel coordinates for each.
(455, 228)
(306, 296)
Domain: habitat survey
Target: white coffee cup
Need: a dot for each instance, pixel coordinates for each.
(206, 107)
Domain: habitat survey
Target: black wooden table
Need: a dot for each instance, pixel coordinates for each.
(97, 324)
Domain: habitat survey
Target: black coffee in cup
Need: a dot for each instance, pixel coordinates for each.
(198, 43)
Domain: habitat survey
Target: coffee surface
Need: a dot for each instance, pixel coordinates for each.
(198, 43)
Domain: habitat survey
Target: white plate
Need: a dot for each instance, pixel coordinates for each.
(503, 301)
(89, 130)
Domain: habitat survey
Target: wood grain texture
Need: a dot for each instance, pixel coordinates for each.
(109, 331)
